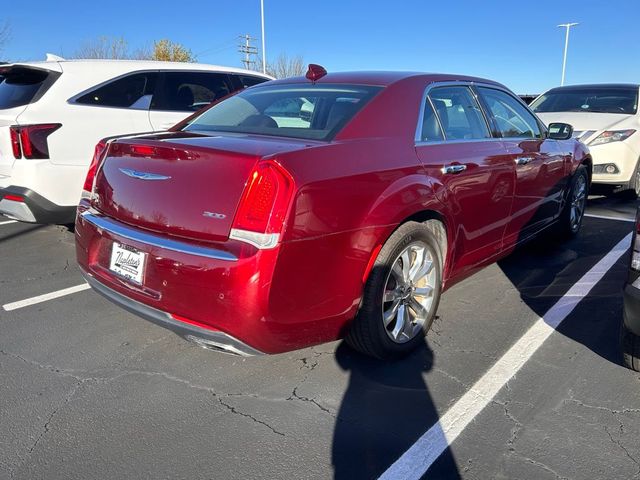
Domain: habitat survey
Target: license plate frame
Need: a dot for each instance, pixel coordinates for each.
(128, 262)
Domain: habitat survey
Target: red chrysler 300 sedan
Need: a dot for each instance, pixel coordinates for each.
(305, 210)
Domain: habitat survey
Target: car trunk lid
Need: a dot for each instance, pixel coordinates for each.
(181, 184)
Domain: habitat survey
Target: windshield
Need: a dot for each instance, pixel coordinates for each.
(307, 111)
(19, 86)
(601, 100)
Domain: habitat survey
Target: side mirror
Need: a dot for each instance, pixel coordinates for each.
(560, 131)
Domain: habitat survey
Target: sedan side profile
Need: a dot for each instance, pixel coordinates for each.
(329, 206)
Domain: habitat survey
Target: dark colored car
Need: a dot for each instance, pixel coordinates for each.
(630, 330)
(253, 230)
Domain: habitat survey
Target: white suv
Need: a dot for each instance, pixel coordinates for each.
(53, 113)
(606, 118)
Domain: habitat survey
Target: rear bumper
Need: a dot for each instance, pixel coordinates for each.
(631, 296)
(206, 338)
(33, 208)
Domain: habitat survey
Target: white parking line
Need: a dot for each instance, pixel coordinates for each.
(8, 222)
(415, 462)
(609, 217)
(46, 297)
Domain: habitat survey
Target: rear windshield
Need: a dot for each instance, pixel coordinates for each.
(307, 111)
(600, 100)
(21, 86)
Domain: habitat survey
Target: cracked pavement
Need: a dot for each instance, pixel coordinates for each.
(90, 391)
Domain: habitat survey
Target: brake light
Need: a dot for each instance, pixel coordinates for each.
(15, 142)
(98, 154)
(30, 141)
(263, 206)
(13, 198)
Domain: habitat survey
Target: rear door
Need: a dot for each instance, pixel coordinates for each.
(539, 164)
(182, 93)
(456, 147)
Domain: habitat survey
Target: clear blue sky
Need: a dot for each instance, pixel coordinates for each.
(516, 43)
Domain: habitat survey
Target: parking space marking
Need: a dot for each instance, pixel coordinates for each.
(8, 222)
(46, 297)
(415, 462)
(609, 217)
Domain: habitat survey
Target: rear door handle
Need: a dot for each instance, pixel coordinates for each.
(523, 160)
(453, 169)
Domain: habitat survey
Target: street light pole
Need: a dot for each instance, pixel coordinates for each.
(264, 53)
(566, 47)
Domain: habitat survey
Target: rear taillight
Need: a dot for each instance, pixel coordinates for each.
(30, 141)
(635, 247)
(15, 142)
(98, 155)
(263, 206)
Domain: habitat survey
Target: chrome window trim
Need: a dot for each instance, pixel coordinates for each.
(452, 83)
(100, 222)
(470, 84)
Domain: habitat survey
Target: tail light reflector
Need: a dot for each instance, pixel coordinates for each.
(13, 198)
(98, 155)
(30, 141)
(263, 206)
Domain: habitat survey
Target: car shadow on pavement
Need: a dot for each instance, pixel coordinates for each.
(9, 236)
(385, 409)
(544, 270)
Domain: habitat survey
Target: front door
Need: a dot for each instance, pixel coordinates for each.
(540, 166)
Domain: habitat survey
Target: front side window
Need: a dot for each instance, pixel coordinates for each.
(512, 118)
(622, 99)
(300, 110)
(190, 91)
(132, 91)
(249, 80)
(459, 113)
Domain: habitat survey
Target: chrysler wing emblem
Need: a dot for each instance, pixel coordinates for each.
(143, 175)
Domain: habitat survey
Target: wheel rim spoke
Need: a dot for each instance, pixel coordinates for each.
(419, 309)
(401, 321)
(406, 265)
(425, 269)
(391, 313)
(423, 292)
(391, 296)
(417, 263)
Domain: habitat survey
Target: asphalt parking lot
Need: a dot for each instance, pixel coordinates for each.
(90, 391)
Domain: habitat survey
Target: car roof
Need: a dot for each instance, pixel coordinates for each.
(384, 78)
(596, 86)
(124, 66)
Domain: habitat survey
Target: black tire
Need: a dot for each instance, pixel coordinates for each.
(633, 190)
(566, 228)
(630, 347)
(367, 333)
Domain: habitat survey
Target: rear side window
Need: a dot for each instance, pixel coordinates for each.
(249, 81)
(459, 113)
(22, 86)
(190, 91)
(132, 91)
(512, 118)
(431, 130)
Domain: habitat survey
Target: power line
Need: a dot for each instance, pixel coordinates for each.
(248, 51)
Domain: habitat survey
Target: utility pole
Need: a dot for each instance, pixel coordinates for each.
(248, 50)
(264, 50)
(566, 47)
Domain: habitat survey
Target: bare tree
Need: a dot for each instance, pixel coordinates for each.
(104, 47)
(284, 66)
(5, 34)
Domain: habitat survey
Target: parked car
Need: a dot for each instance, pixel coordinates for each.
(53, 113)
(606, 118)
(245, 232)
(630, 328)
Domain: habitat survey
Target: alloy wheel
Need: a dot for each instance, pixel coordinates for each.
(578, 200)
(409, 293)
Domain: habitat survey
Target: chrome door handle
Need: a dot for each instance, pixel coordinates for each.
(453, 169)
(523, 160)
